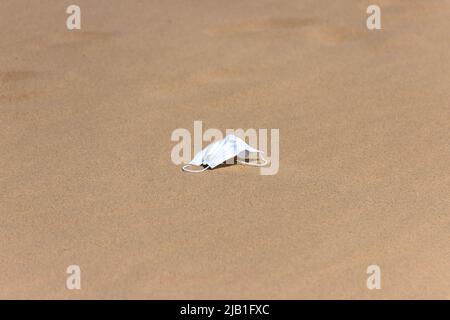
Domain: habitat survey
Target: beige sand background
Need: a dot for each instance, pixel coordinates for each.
(86, 176)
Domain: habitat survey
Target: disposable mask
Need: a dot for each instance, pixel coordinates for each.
(220, 151)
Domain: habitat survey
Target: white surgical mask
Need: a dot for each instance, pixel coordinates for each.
(220, 151)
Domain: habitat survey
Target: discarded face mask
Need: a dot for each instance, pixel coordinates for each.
(220, 151)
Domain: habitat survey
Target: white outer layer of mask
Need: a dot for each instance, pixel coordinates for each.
(220, 151)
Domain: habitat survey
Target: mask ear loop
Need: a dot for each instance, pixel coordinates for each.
(184, 168)
(255, 164)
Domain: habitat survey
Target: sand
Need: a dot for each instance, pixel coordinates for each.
(86, 176)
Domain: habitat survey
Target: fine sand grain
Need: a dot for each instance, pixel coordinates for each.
(86, 176)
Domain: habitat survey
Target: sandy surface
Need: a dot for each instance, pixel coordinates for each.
(86, 176)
